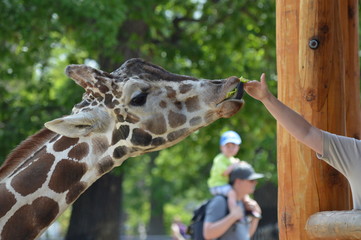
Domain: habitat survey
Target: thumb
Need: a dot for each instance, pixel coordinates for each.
(263, 78)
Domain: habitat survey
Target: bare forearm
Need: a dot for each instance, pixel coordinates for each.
(294, 123)
(253, 226)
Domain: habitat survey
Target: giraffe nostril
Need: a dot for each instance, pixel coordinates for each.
(217, 82)
(81, 126)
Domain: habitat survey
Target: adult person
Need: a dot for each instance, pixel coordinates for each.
(234, 224)
(342, 153)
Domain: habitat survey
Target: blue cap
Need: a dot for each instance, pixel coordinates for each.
(230, 137)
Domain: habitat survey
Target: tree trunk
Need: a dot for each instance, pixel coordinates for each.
(157, 200)
(311, 53)
(156, 222)
(95, 215)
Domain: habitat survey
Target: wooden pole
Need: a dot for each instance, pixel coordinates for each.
(312, 78)
(350, 23)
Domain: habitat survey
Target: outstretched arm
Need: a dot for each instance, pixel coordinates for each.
(294, 123)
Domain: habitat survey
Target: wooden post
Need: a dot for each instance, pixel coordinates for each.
(311, 64)
(350, 28)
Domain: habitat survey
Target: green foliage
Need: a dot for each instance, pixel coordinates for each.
(28, 103)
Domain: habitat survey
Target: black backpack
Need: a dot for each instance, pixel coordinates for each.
(195, 228)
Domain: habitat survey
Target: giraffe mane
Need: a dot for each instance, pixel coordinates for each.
(28, 146)
(146, 70)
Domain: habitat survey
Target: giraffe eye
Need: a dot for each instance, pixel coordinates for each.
(139, 100)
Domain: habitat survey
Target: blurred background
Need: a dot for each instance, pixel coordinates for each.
(203, 38)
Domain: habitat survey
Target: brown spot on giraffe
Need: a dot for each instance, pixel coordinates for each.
(64, 143)
(98, 97)
(108, 101)
(120, 117)
(75, 191)
(27, 222)
(66, 174)
(132, 118)
(7, 200)
(79, 151)
(141, 137)
(184, 88)
(176, 119)
(105, 165)
(120, 151)
(195, 121)
(158, 141)
(37, 170)
(178, 105)
(156, 124)
(176, 134)
(192, 104)
(121, 133)
(102, 88)
(171, 93)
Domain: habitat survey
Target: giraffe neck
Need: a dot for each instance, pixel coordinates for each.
(37, 183)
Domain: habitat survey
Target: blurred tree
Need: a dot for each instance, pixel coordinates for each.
(210, 39)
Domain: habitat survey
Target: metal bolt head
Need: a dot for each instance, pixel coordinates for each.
(313, 43)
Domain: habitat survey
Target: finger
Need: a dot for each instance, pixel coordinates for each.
(250, 83)
(263, 78)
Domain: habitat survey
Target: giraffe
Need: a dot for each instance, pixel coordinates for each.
(138, 108)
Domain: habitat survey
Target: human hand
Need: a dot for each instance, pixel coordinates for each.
(235, 164)
(237, 213)
(253, 207)
(257, 89)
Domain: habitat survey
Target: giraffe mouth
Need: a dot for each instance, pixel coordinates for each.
(236, 94)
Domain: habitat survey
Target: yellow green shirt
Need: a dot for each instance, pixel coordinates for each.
(220, 164)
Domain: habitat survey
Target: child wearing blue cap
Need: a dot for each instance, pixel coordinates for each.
(223, 165)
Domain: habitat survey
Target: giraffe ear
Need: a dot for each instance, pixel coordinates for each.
(80, 124)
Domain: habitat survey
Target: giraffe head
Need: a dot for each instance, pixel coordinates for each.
(141, 107)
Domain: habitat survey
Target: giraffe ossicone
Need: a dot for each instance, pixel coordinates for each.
(138, 108)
